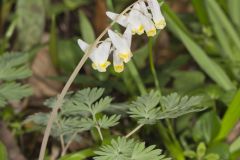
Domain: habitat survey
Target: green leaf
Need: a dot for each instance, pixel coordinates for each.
(207, 127)
(223, 38)
(235, 146)
(30, 28)
(230, 117)
(53, 48)
(124, 149)
(188, 80)
(175, 105)
(212, 156)
(234, 11)
(220, 15)
(200, 11)
(208, 65)
(190, 154)
(14, 91)
(82, 155)
(101, 105)
(3, 152)
(201, 150)
(220, 149)
(12, 66)
(89, 96)
(107, 122)
(86, 28)
(144, 109)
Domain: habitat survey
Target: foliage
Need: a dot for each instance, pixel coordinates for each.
(13, 67)
(150, 108)
(80, 112)
(123, 149)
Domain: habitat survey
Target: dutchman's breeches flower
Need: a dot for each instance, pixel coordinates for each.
(158, 18)
(99, 55)
(122, 46)
(142, 16)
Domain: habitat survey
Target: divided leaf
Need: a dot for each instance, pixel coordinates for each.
(125, 149)
(144, 109)
(174, 105)
(150, 108)
(107, 122)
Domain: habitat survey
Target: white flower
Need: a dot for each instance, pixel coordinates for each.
(99, 55)
(132, 20)
(144, 9)
(158, 18)
(117, 60)
(122, 44)
(122, 20)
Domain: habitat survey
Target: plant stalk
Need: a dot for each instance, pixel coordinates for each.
(69, 83)
(135, 130)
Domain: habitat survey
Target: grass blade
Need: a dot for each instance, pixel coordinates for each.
(207, 64)
(234, 11)
(231, 117)
(223, 19)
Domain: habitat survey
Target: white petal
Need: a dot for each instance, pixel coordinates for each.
(100, 56)
(122, 20)
(144, 9)
(158, 18)
(119, 42)
(83, 45)
(128, 35)
(122, 46)
(134, 20)
(117, 63)
(148, 26)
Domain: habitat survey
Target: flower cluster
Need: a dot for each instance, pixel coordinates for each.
(144, 16)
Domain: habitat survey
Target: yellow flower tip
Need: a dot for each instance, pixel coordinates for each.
(151, 32)
(119, 68)
(140, 30)
(125, 56)
(101, 67)
(160, 24)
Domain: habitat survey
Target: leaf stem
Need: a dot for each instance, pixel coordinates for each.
(152, 67)
(135, 74)
(64, 150)
(99, 132)
(135, 130)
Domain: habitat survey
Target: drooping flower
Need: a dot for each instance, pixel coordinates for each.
(118, 60)
(122, 46)
(132, 20)
(158, 18)
(99, 55)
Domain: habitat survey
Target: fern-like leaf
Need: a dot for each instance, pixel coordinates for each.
(124, 149)
(175, 105)
(12, 66)
(150, 108)
(14, 91)
(144, 109)
(107, 122)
